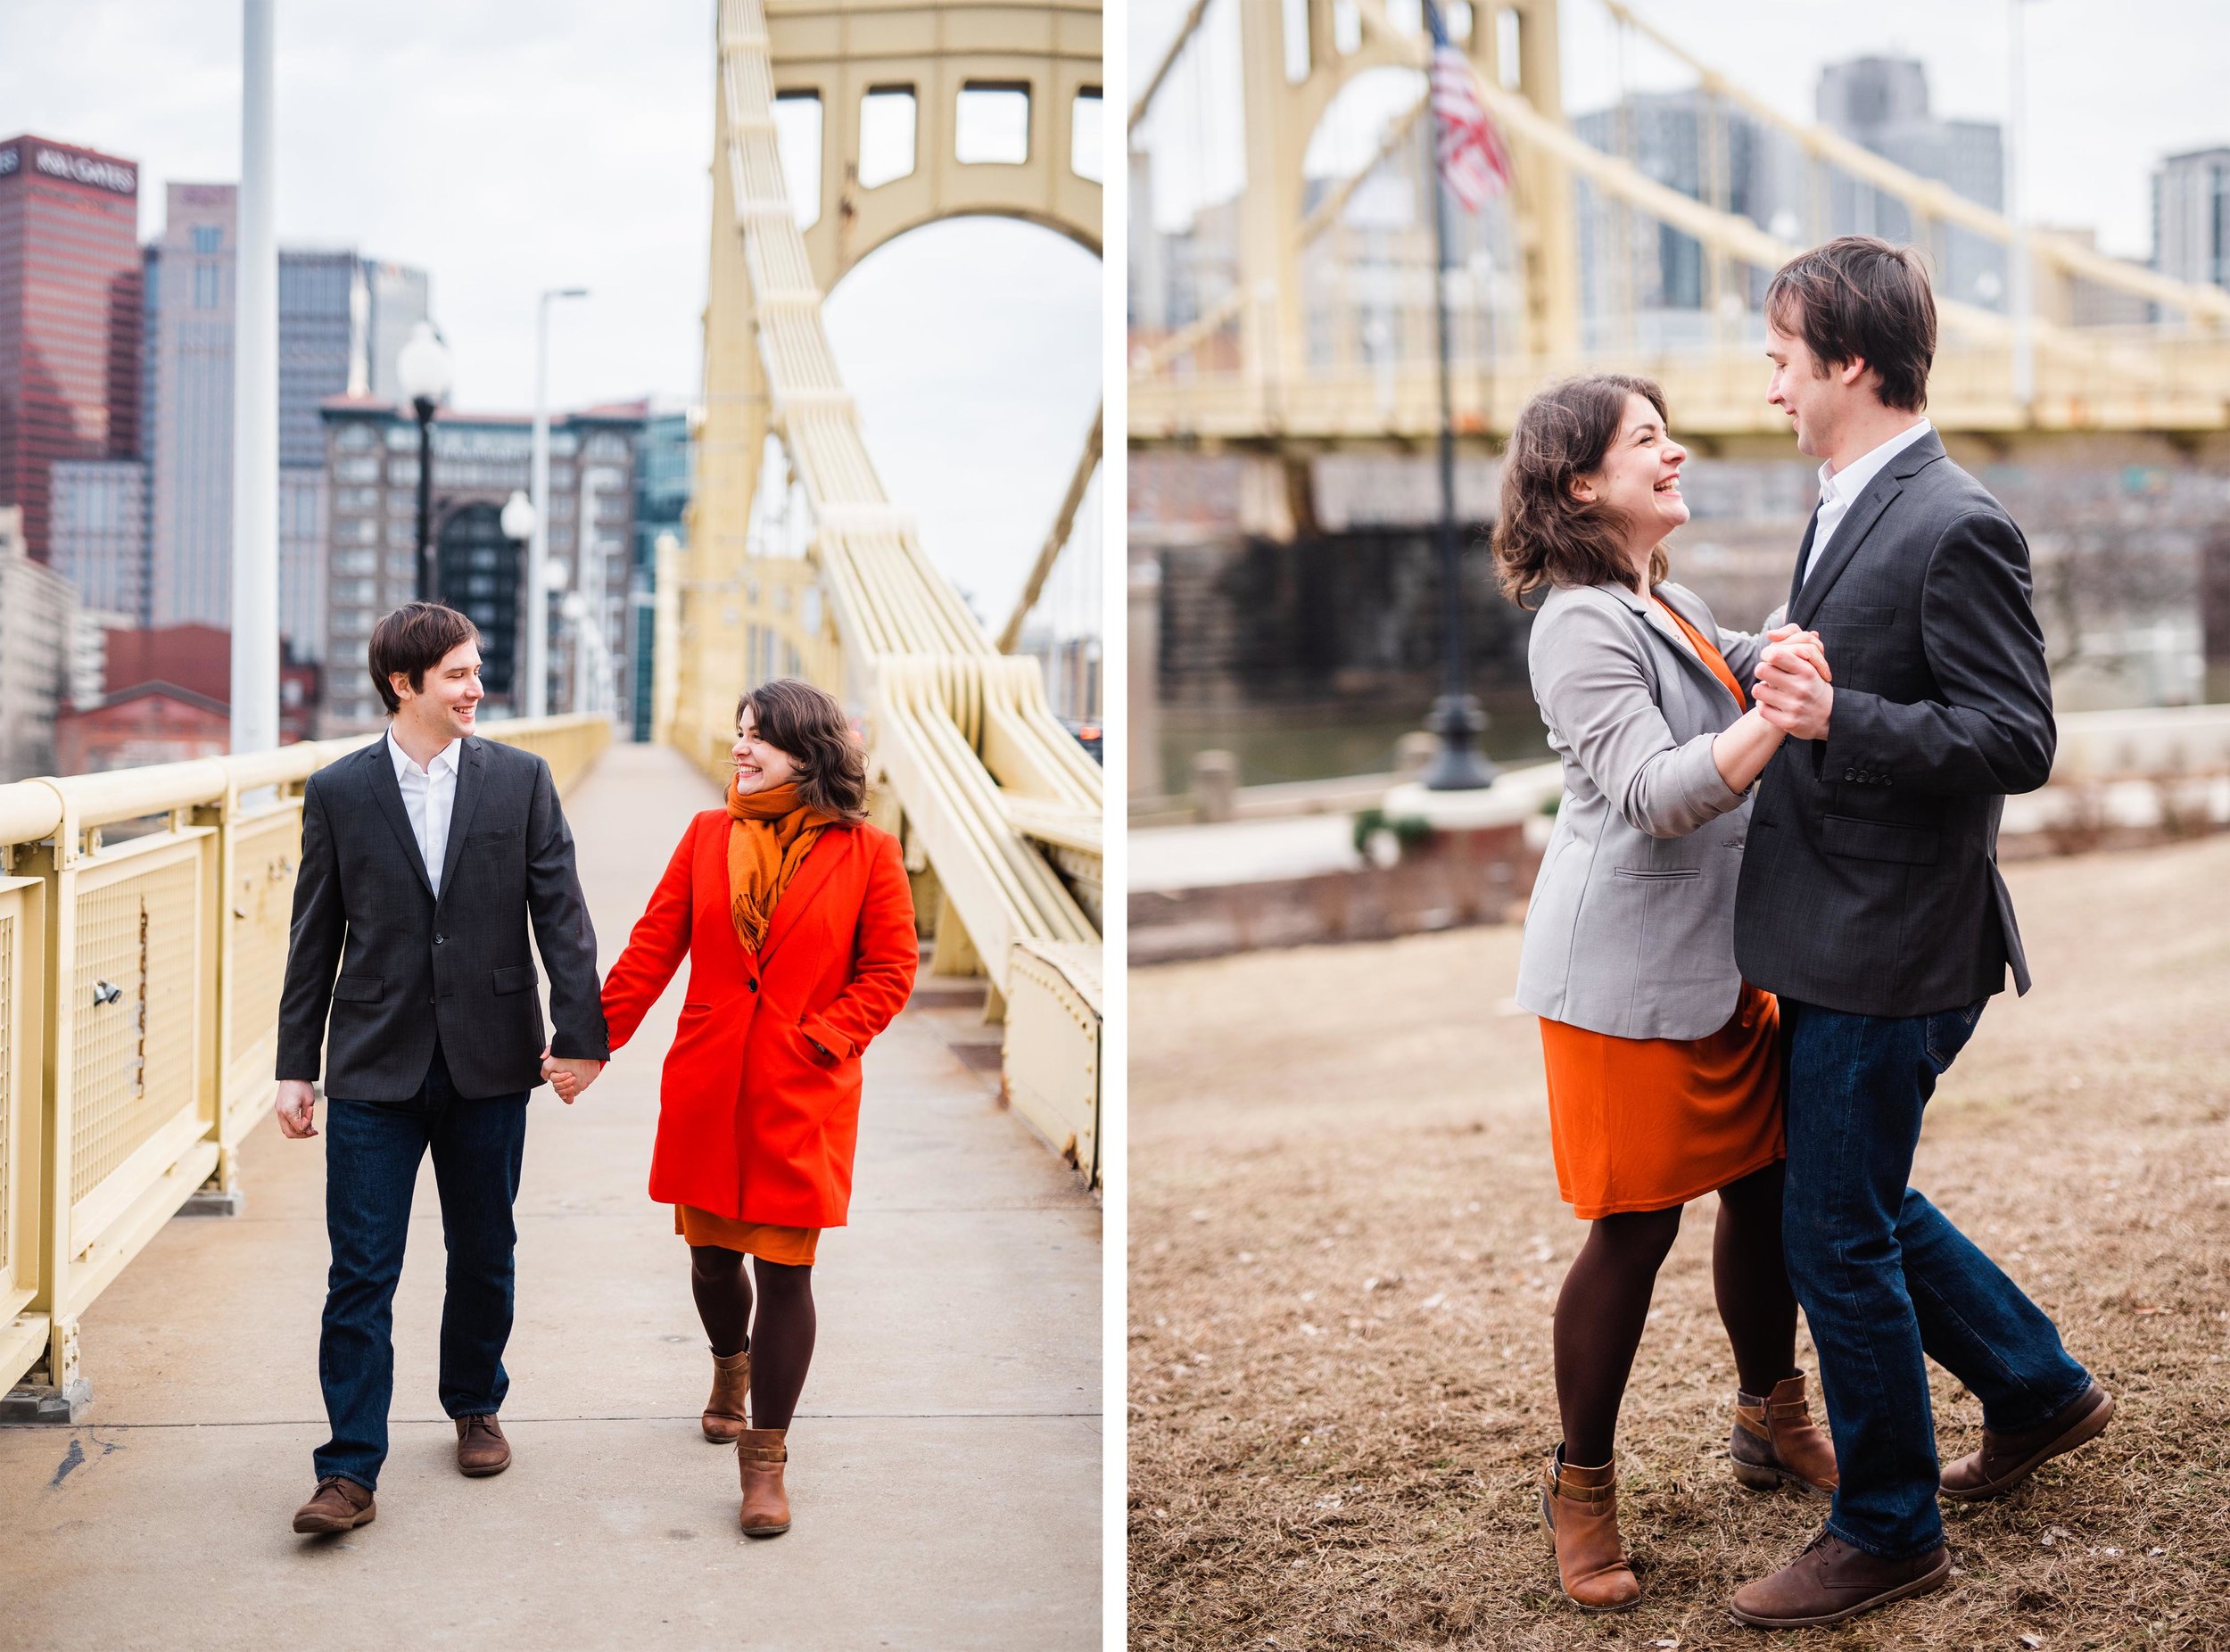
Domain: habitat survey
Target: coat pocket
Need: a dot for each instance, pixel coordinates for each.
(817, 1052)
(360, 988)
(505, 835)
(1878, 841)
(515, 978)
(1657, 874)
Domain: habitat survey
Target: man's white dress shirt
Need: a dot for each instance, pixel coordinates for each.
(428, 794)
(1838, 488)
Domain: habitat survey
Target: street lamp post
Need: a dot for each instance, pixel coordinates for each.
(1458, 765)
(423, 368)
(537, 697)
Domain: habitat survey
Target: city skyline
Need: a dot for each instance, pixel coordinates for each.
(504, 148)
(2134, 104)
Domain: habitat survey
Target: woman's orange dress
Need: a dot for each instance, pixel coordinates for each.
(794, 1247)
(1645, 1124)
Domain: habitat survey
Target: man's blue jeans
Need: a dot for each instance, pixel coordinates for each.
(1885, 1278)
(372, 1155)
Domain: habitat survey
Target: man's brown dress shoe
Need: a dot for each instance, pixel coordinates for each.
(2005, 1460)
(339, 1505)
(723, 1417)
(1580, 1507)
(1831, 1580)
(481, 1447)
(760, 1454)
(1777, 1443)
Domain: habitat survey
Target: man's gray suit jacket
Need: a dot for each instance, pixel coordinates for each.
(393, 966)
(1871, 884)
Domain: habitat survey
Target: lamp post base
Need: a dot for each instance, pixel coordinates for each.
(1456, 766)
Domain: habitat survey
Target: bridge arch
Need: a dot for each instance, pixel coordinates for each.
(925, 68)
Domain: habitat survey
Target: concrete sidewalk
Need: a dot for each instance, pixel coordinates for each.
(946, 1464)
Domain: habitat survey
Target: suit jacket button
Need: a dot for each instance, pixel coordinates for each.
(1850, 774)
(753, 984)
(441, 940)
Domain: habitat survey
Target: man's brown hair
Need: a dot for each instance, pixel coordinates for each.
(1544, 534)
(1858, 299)
(415, 639)
(809, 724)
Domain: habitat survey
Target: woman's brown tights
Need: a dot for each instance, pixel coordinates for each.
(782, 1346)
(1605, 1303)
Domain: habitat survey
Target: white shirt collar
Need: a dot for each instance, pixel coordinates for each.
(1840, 487)
(445, 758)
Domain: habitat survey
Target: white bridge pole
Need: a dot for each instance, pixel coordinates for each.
(255, 652)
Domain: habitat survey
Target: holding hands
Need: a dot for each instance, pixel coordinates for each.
(1789, 697)
(568, 1075)
(1794, 688)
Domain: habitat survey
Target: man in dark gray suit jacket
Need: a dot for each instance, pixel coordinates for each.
(1869, 900)
(425, 857)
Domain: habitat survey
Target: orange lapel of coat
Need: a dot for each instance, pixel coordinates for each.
(805, 884)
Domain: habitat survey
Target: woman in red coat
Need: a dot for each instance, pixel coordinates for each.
(798, 924)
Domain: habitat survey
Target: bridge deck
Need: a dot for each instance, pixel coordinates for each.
(945, 1466)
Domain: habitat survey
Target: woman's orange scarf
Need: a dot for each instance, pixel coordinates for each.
(772, 833)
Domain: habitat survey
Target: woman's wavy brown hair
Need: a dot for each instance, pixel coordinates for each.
(1544, 534)
(809, 724)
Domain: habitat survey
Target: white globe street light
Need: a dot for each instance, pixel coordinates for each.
(423, 365)
(518, 516)
(555, 576)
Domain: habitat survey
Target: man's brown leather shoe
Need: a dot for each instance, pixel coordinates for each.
(339, 1505)
(1776, 1442)
(2005, 1460)
(1831, 1581)
(1580, 1507)
(723, 1417)
(760, 1454)
(481, 1447)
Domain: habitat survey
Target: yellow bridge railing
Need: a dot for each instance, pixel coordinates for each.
(139, 990)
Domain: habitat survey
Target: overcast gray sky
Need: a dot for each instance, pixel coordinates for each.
(2112, 85)
(505, 145)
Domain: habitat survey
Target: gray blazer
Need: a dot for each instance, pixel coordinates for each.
(376, 968)
(1630, 930)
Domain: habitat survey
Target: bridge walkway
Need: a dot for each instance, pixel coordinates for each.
(945, 1458)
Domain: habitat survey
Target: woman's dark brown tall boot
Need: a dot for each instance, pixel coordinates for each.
(760, 1453)
(1580, 1507)
(725, 1417)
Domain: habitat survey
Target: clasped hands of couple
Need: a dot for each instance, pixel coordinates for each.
(568, 1075)
(1793, 691)
(297, 1104)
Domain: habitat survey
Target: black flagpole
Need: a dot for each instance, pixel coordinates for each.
(1456, 716)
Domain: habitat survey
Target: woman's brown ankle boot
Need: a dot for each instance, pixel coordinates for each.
(761, 1453)
(1775, 1441)
(723, 1417)
(1580, 1507)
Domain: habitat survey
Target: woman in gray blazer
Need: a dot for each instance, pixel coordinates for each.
(1665, 1076)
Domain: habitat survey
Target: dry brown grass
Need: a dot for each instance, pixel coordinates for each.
(1345, 1241)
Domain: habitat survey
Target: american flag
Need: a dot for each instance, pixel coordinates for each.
(1472, 157)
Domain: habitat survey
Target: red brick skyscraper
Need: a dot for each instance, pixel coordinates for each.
(69, 317)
